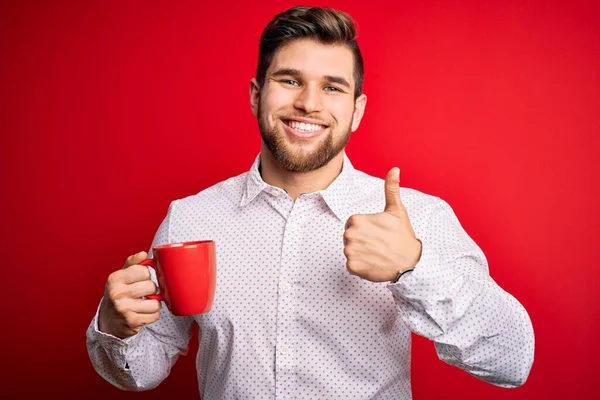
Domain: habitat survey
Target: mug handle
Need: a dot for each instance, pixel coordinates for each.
(149, 262)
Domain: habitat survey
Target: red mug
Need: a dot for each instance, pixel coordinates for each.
(187, 276)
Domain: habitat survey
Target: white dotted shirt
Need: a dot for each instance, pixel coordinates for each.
(289, 321)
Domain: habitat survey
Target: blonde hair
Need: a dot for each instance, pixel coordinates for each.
(324, 25)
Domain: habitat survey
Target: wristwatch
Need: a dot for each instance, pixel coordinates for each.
(402, 273)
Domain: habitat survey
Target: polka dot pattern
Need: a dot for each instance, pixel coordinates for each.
(289, 321)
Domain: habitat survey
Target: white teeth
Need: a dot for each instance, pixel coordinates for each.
(303, 127)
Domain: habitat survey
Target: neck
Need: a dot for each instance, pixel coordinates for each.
(296, 183)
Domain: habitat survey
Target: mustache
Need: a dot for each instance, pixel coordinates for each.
(303, 115)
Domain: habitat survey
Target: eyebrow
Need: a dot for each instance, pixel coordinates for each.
(295, 73)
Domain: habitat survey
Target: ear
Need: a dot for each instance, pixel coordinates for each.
(254, 96)
(359, 110)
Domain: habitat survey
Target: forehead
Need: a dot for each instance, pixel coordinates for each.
(314, 59)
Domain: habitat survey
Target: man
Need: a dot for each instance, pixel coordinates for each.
(323, 271)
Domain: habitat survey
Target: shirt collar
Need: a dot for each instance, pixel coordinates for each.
(254, 183)
(336, 195)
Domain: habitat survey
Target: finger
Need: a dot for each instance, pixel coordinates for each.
(136, 320)
(134, 273)
(135, 259)
(141, 289)
(393, 204)
(149, 318)
(145, 306)
(352, 220)
(353, 266)
(349, 269)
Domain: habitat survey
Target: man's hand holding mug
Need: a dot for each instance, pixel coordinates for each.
(124, 310)
(186, 273)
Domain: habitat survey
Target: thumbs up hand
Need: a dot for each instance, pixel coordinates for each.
(380, 246)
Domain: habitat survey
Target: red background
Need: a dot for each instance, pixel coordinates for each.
(110, 110)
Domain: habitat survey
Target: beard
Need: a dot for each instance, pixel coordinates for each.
(296, 159)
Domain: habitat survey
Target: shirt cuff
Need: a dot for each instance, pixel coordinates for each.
(435, 288)
(110, 341)
(408, 279)
(431, 280)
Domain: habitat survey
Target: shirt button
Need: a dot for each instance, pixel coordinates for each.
(283, 349)
(292, 225)
(285, 287)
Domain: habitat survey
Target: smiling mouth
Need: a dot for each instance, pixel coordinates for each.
(303, 129)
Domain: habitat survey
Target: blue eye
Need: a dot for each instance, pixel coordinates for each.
(290, 82)
(332, 89)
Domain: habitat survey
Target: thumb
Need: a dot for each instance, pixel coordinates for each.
(393, 204)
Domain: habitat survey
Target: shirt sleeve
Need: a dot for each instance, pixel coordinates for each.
(451, 299)
(142, 361)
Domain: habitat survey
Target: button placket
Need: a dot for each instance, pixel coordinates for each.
(285, 367)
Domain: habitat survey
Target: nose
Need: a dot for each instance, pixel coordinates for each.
(308, 100)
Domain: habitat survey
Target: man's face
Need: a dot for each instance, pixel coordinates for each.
(306, 109)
